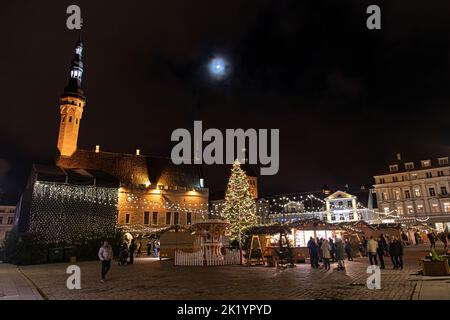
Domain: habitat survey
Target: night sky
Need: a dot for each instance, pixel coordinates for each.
(345, 98)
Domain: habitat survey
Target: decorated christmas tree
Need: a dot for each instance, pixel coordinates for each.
(240, 207)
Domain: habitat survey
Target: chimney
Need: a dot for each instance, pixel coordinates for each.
(399, 157)
(97, 148)
(138, 152)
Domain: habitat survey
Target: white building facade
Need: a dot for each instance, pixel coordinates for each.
(341, 207)
(7, 215)
(418, 190)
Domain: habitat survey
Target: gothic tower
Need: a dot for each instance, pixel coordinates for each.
(71, 105)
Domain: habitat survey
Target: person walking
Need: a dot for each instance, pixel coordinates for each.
(364, 245)
(372, 247)
(348, 250)
(381, 252)
(332, 249)
(319, 248)
(432, 240)
(139, 249)
(384, 245)
(313, 253)
(340, 254)
(326, 254)
(392, 252)
(398, 253)
(132, 249)
(105, 254)
(155, 248)
(149, 247)
(444, 239)
(417, 237)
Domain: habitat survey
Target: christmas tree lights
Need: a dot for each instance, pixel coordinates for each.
(239, 207)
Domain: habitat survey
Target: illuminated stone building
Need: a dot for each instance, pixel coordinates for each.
(152, 192)
(416, 191)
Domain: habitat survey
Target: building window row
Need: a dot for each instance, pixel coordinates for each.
(9, 220)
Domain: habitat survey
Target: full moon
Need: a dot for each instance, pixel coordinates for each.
(217, 67)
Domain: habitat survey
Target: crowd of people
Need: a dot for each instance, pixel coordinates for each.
(326, 251)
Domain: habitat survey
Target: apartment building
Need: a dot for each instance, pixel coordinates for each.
(416, 189)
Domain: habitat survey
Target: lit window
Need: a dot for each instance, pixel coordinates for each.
(435, 207)
(400, 210)
(419, 208)
(417, 192)
(410, 210)
(426, 163)
(397, 194)
(386, 210)
(446, 206)
(202, 183)
(393, 168)
(409, 166)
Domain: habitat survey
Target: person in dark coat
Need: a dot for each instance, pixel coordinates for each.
(364, 246)
(430, 236)
(384, 245)
(313, 253)
(332, 249)
(319, 249)
(380, 252)
(132, 249)
(397, 252)
(348, 250)
(391, 252)
(417, 237)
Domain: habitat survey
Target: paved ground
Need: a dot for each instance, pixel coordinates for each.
(154, 279)
(14, 286)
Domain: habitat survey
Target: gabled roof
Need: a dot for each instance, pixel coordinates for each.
(340, 195)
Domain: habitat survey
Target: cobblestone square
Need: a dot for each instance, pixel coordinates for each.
(150, 278)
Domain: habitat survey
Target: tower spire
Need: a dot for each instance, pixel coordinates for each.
(72, 102)
(76, 72)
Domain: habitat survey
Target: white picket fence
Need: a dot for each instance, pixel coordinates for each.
(205, 256)
(188, 258)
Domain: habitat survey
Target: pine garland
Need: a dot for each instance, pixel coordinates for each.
(239, 207)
